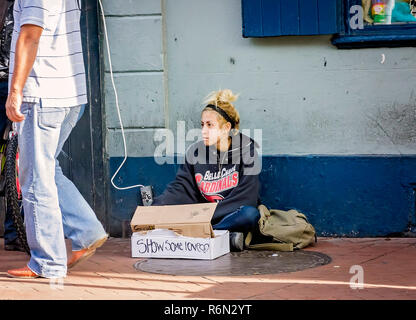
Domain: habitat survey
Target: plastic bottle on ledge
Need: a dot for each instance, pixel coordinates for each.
(381, 11)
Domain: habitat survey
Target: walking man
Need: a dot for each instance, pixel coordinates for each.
(47, 96)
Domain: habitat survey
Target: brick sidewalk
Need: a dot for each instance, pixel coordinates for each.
(389, 273)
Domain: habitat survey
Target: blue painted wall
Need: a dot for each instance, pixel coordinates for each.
(354, 196)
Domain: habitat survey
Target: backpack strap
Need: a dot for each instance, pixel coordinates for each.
(267, 246)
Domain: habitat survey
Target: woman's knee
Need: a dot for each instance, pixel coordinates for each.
(250, 214)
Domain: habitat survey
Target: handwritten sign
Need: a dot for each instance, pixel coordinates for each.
(165, 244)
(155, 246)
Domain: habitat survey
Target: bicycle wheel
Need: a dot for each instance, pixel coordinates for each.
(13, 192)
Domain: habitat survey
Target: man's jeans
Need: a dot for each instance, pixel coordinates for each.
(54, 208)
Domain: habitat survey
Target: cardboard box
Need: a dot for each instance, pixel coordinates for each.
(189, 220)
(181, 231)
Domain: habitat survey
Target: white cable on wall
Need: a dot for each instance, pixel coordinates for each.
(117, 105)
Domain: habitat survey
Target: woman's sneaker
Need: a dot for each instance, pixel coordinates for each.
(236, 241)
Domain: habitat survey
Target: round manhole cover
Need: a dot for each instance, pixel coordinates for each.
(237, 264)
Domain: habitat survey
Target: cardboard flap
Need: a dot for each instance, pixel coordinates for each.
(191, 220)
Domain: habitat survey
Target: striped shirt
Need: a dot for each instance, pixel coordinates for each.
(58, 74)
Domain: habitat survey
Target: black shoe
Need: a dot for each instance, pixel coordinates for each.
(14, 245)
(236, 241)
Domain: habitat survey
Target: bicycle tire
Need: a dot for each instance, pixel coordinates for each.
(12, 196)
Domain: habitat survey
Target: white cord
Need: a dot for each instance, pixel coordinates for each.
(117, 105)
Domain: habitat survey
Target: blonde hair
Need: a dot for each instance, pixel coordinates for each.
(223, 99)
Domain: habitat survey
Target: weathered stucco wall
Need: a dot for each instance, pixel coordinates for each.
(307, 96)
(135, 35)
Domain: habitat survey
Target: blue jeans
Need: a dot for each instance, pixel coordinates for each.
(10, 233)
(54, 208)
(244, 219)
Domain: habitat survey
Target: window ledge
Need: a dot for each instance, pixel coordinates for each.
(373, 41)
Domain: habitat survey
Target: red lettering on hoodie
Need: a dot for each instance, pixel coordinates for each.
(211, 189)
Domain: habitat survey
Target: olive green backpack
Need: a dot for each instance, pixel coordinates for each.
(290, 230)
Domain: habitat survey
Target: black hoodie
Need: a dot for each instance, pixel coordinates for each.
(229, 178)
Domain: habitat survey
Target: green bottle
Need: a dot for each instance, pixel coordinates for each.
(378, 11)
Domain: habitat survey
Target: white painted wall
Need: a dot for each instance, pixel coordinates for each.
(308, 96)
(135, 36)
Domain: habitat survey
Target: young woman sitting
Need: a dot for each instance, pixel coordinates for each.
(222, 168)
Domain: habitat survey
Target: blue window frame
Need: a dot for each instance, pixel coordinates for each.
(271, 18)
(401, 31)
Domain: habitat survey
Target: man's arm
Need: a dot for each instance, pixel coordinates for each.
(25, 55)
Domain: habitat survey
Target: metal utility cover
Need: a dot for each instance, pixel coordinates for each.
(237, 264)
